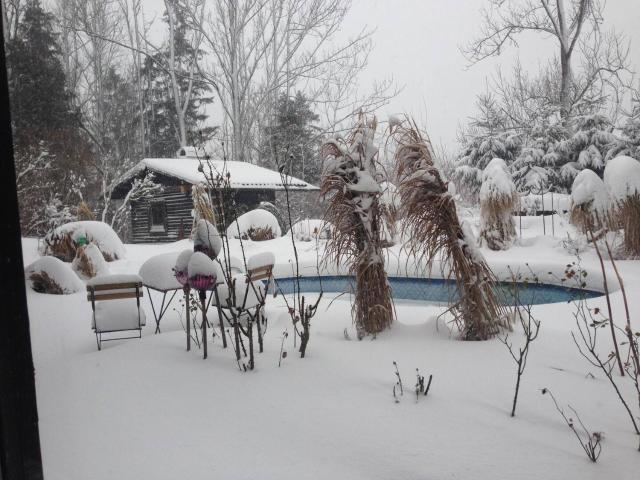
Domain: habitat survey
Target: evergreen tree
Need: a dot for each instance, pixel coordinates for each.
(160, 110)
(49, 149)
(291, 140)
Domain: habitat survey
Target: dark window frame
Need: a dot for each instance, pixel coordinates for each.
(157, 228)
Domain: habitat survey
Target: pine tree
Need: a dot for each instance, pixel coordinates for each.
(50, 153)
(291, 140)
(160, 111)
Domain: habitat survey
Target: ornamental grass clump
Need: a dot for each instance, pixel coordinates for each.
(431, 223)
(350, 185)
(622, 179)
(498, 200)
(589, 202)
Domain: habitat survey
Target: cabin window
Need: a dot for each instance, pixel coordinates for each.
(158, 216)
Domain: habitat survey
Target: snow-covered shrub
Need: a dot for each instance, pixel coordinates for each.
(478, 152)
(62, 242)
(53, 276)
(89, 262)
(435, 231)
(311, 229)
(349, 184)
(255, 225)
(589, 201)
(622, 179)
(389, 206)
(498, 200)
(206, 239)
(586, 148)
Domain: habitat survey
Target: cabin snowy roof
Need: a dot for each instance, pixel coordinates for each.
(243, 175)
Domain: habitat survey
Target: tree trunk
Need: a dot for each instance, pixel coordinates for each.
(565, 86)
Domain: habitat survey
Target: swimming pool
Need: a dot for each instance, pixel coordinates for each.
(440, 291)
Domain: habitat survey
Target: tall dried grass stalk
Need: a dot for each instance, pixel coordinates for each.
(61, 246)
(83, 264)
(41, 282)
(83, 212)
(497, 227)
(202, 206)
(433, 226)
(627, 215)
(353, 208)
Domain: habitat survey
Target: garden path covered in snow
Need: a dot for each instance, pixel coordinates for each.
(149, 409)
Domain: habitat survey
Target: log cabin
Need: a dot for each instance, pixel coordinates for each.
(168, 216)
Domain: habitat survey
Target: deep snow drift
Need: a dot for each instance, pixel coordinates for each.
(148, 409)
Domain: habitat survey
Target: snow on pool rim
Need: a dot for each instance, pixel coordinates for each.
(437, 290)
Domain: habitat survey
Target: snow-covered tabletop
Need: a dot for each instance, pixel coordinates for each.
(157, 272)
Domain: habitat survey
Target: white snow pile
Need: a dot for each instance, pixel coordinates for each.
(157, 271)
(496, 181)
(622, 177)
(260, 260)
(251, 221)
(310, 229)
(202, 265)
(52, 275)
(99, 233)
(207, 238)
(89, 262)
(589, 190)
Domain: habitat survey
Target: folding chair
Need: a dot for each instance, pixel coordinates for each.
(113, 310)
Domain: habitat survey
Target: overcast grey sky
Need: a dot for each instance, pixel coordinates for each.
(417, 41)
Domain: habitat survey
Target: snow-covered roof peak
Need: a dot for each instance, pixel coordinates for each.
(242, 175)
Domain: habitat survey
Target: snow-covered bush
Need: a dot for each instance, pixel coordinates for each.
(589, 201)
(206, 239)
(478, 152)
(62, 242)
(622, 179)
(89, 262)
(255, 225)
(311, 229)
(349, 183)
(53, 276)
(498, 200)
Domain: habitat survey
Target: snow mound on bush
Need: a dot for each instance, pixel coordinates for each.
(588, 187)
(207, 239)
(622, 177)
(98, 233)
(201, 265)
(252, 221)
(311, 229)
(51, 275)
(89, 262)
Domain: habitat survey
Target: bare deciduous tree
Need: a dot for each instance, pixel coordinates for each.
(574, 25)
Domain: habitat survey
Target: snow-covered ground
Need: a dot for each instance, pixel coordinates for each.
(148, 409)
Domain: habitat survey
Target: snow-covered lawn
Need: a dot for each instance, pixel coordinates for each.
(148, 409)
